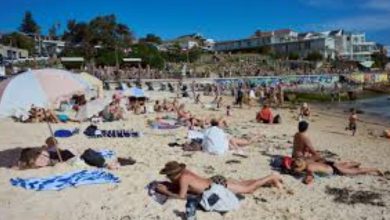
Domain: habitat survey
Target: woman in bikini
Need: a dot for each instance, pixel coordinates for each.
(341, 168)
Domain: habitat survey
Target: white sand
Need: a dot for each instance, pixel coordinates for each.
(129, 198)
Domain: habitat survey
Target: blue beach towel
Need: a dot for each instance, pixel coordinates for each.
(59, 182)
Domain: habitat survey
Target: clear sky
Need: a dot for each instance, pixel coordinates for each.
(217, 19)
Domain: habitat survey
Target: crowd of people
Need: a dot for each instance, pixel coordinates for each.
(211, 137)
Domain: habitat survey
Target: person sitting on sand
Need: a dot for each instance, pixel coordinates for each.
(353, 118)
(183, 181)
(216, 141)
(304, 112)
(265, 115)
(302, 146)
(51, 146)
(329, 167)
(166, 106)
(157, 107)
(386, 133)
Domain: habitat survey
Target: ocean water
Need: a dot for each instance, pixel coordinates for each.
(378, 106)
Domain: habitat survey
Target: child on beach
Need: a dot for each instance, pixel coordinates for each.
(352, 122)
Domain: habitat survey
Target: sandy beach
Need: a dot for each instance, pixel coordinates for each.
(129, 199)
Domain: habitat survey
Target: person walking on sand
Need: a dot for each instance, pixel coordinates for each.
(184, 181)
(353, 118)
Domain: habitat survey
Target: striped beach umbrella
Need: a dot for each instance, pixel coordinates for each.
(43, 88)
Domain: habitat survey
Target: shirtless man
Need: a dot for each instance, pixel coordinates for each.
(302, 146)
(184, 181)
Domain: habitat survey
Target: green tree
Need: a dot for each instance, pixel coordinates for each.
(380, 60)
(314, 56)
(149, 55)
(97, 36)
(151, 38)
(29, 25)
(53, 31)
(293, 56)
(265, 50)
(19, 40)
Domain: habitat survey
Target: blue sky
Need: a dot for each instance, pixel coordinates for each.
(217, 19)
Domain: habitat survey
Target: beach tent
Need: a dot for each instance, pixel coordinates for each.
(43, 88)
(95, 85)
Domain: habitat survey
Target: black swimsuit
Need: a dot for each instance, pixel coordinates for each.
(336, 170)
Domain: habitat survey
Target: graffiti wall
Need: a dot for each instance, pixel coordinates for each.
(307, 83)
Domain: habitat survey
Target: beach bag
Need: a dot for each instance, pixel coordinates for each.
(287, 162)
(90, 130)
(277, 119)
(220, 199)
(93, 158)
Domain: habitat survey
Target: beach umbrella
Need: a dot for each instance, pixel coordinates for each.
(90, 109)
(43, 88)
(94, 84)
(134, 92)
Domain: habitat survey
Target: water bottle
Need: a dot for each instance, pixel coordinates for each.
(191, 205)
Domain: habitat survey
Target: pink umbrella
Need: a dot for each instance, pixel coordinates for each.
(43, 88)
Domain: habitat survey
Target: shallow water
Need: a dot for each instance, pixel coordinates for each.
(378, 106)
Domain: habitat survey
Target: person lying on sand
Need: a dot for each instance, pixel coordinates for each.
(187, 117)
(32, 158)
(353, 118)
(184, 181)
(329, 167)
(302, 145)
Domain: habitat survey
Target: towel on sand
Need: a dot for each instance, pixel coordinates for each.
(59, 182)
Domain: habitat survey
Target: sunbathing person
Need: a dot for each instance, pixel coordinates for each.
(187, 117)
(31, 158)
(41, 115)
(302, 146)
(329, 167)
(304, 112)
(184, 181)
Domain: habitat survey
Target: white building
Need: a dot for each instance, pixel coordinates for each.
(12, 53)
(387, 48)
(331, 44)
(353, 46)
